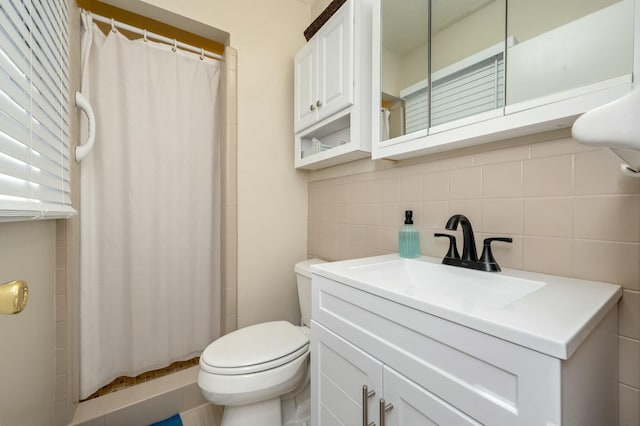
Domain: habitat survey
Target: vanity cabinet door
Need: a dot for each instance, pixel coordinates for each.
(414, 405)
(339, 371)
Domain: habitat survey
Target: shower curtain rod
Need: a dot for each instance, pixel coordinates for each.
(158, 37)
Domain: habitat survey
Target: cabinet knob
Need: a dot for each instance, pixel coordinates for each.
(318, 103)
(384, 407)
(366, 394)
(312, 107)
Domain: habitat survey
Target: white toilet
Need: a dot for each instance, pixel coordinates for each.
(249, 370)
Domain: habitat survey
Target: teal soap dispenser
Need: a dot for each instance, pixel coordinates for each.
(409, 237)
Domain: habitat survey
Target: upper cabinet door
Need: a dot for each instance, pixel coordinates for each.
(467, 61)
(336, 62)
(404, 67)
(566, 46)
(453, 73)
(306, 86)
(324, 70)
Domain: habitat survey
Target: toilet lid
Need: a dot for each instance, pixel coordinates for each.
(255, 348)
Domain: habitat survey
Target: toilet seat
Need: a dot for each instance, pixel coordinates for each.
(255, 349)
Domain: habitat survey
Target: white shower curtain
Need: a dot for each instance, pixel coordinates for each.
(150, 208)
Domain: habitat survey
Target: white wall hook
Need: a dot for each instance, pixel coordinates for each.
(83, 150)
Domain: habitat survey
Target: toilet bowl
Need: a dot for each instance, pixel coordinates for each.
(250, 369)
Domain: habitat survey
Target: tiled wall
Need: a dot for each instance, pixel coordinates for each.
(67, 296)
(229, 194)
(568, 208)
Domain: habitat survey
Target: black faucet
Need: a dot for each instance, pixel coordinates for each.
(469, 257)
(469, 241)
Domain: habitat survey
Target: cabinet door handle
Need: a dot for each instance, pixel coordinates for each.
(384, 407)
(312, 107)
(318, 103)
(366, 394)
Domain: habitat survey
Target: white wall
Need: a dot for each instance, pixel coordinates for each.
(317, 7)
(27, 252)
(272, 195)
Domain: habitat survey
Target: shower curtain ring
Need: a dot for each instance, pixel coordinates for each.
(113, 26)
(201, 53)
(175, 45)
(145, 39)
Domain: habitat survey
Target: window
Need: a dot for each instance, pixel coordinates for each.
(34, 110)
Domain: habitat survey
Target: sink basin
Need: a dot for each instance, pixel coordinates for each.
(547, 313)
(445, 285)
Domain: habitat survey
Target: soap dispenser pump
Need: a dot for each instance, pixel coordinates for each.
(409, 237)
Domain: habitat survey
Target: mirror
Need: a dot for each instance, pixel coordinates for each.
(443, 61)
(467, 58)
(466, 50)
(556, 48)
(404, 65)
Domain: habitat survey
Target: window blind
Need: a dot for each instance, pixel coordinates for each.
(34, 110)
(465, 88)
(416, 108)
(470, 91)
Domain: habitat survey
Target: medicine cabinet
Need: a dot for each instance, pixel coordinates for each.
(449, 74)
(332, 100)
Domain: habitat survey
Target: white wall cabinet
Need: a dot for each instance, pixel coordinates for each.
(324, 71)
(558, 66)
(332, 90)
(436, 372)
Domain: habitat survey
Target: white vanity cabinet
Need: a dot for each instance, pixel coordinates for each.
(332, 90)
(342, 370)
(434, 371)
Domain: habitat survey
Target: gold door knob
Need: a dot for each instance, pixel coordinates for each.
(13, 297)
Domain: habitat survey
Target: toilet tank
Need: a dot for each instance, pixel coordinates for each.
(303, 278)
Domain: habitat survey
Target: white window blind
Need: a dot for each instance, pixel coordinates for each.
(465, 88)
(34, 110)
(416, 108)
(475, 89)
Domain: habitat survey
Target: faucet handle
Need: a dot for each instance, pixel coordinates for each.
(453, 248)
(487, 255)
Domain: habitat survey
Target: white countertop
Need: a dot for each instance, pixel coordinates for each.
(546, 313)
